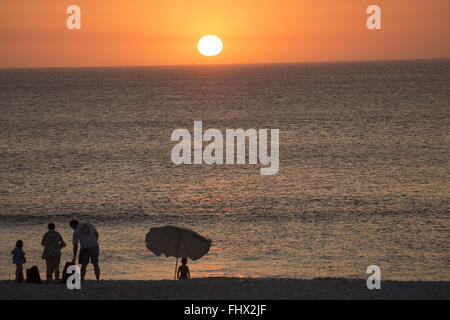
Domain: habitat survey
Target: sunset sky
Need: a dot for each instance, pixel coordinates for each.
(33, 33)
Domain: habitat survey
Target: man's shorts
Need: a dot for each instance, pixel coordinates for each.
(87, 254)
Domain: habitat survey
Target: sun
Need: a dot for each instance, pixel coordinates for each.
(210, 45)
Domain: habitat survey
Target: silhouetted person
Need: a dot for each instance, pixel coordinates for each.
(89, 249)
(183, 270)
(19, 260)
(53, 243)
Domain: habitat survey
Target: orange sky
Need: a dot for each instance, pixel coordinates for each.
(33, 33)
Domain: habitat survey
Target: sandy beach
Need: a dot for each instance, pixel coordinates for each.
(229, 288)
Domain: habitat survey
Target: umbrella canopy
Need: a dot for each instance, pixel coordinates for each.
(177, 242)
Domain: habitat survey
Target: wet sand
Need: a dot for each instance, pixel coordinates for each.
(229, 288)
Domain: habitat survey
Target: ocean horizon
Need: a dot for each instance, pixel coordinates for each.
(393, 60)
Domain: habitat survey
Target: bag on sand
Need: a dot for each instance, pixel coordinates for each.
(65, 275)
(33, 275)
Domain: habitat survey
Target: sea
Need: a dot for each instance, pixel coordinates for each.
(363, 173)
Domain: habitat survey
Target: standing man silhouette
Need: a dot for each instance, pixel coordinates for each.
(87, 235)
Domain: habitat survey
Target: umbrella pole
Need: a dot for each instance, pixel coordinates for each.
(175, 275)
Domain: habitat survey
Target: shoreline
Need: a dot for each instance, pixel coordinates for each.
(228, 289)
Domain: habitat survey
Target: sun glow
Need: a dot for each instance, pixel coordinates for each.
(210, 46)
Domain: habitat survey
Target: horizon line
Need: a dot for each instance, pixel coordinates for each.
(227, 64)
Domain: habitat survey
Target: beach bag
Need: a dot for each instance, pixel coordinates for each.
(33, 275)
(65, 275)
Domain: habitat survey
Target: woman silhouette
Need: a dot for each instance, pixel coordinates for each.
(53, 243)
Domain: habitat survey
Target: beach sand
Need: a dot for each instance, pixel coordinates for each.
(229, 288)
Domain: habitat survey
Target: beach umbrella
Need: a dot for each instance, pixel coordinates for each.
(177, 242)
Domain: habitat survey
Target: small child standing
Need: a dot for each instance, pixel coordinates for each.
(183, 270)
(19, 260)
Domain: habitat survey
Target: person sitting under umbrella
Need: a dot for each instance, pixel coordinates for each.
(177, 242)
(183, 270)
